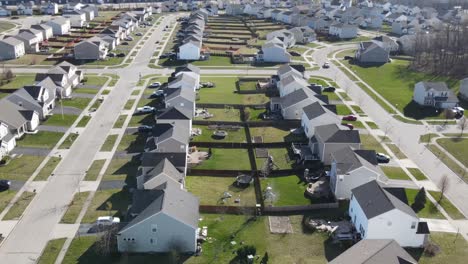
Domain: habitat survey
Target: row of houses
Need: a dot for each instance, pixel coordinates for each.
(27, 9)
(376, 212)
(23, 110)
(163, 215)
(191, 45)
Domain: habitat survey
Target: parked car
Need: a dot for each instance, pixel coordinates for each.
(329, 89)
(145, 109)
(157, 93)
(207, 84)
(157, 42)
(163, 56)
(4, 185)
(382, 158)
(350, 126)
(129, 39)
(124, 43)
(107, 220)
(144, 129)
(139, 34)
(326, 65)
(349, 118)
(155, 85)
(111, 54)
(121, 55)
(348, 57)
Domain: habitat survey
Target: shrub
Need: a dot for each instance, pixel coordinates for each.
(244, 251)
(431, 249)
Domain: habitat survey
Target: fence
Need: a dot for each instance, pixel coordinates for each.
(216, 209)
(300, 209)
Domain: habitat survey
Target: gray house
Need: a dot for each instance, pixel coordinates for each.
(18, 119)
(168, 138)
(11, 48)
(64, 75)
(291, 105)
(162, 219)
(46, 30)
(31, 42)
(183, 98)
(149, 179)
(91, 49)
(316, 114)
(372, 52)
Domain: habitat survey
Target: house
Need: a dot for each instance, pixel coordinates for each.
(378, 214)
(234, 9)
(463, 92)
(319, 23)
(407, 44)
(286, 70)
(371, 52)
(184, 80)
(35, 99)
(331, 138)
(37, 33)
(387, 43)
(60, 26)
(189, 50)
(177, 97)
(30, 41)
(77, 17)
(285, 17)
(343, 31)
(351, 168)
(4, 11)
(11, 48)
(315, 114)
(44, 93)
(7, 140)
(161, 219)
(434, 94)
(190, 70)
(91, 49)
(18, 119)
(273, 52)
(109, 40)
(290, 84)
(292, 105)
(64, 75)
(25, 9)
(153, 177)
(285, 36)
(252, 9)
(303, 35)
(50, 9)
(171, 138)
(45, 29)
(381, 251)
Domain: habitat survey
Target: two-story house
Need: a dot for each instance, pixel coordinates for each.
(434, 94)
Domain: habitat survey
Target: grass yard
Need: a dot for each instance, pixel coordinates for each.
(109, 143)
(396, 151)
(197, 185)
(372, 125)
(224, 93)
(68, 142)
(17, 82)
(83, 121)
(288, 190)
(122, 169)
(19, 206)
(332, 96)
(395, 82)
(120, 121)
(224, 114)
(418, 174)
(138, 120)
(457, 147)
(429, 210)
(226, 159)
(395, 173)
(48, 169)
(451, 210)
(454, 249)
(369, 142)
(214, 61)
(21, 167)
(132, 143)
(276, 134)
(343, 110)
(252, 114)
(86, 90)
(80, 103)
(42, 139)
(95, 80)
(74, 208)
(207, 136)
(281, 157)
(108, 202)
(426, 138)
(5, 198)
(4, 26)
(93, 171)
(60, 120)
(51, 251)
(129, 104)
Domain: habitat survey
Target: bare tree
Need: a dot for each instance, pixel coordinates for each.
(462, 124)
(107, 243)
(443, 186)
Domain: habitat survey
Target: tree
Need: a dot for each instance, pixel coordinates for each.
(462, 124)
(107, 243)
(443, 186)
(419, 200)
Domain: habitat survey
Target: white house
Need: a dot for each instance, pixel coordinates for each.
(5, 11)
(18, 119)
(190, 50)
(46, 30)
(315, 114)
(60, 26)
(434, 94)
(50, 8)
(343, 31)
(378, 214)
(290, 84)
(25, 9)
(371, 52)
(273, 52)
(7, 140)
(77, 17)
(464, 88)
(31, 42)
(285, 36)
(11, 48)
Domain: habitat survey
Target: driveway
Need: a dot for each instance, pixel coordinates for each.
(53, 128)
(30, 151)
(66, 110)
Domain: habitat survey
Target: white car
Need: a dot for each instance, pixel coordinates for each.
(107, 220)
(158, 93)
(155, 85)
(382, 158)
(145, 109)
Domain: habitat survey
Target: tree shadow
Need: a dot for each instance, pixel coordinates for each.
(333, 250)
(137, 145)
(415, 111)
(119, 202)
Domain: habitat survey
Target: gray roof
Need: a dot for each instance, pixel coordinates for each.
(151, 159)
(293, 98)
(175, 113)
(333, 134)
(294, 79)
(164, 167)
(188, 68)
(315, 110)
(349, 159)
(286, 68)
(172, 93)
(24, 99)
(168, 198)
(192, 82)
(12, 41)
(438, 86)
(163, 132)
(13, 115)
(375, 251)
(375, 201)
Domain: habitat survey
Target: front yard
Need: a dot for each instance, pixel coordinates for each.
(112, 202)
(42, 139)
(458, 147)
(21, 167)
(122, 169)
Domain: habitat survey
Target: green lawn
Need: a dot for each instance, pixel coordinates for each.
(51, 251)
(60, 120)
(288, 190)
(122, 169)
(226, 159)
(225, 114)
(458, 147)
(132, 143)
(86, 90)
(74, 208)
(447, 205)
(109, 143)
(214, 61)
(281, 157)
(197, 185)
(93, 171)
(95, 80)
(369, 142)
(448, 161)
(418, 174)
(252, 114)
(48, 169)
(429, 210)
(138, 120)
(426, 138)
(5, 198)
(68, 142)
(207, 136)
(4, 26)
(112, 202)
(20, 168)
(454, 249)
(396, 173)
(80, 103)
(343, 110)
(372, 125)
(224, 93)
(396, 151)
(129, 104)
(19, 206)
(83, 121)
(395, 82)
(120, 121)
(42, 139)
(18, 82)
(276, 134)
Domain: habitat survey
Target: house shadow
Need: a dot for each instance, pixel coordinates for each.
(174, 63)
(147, 120)
(119, 202)
(130, 169)
(137, 145)
(415, 111)
(333, 249)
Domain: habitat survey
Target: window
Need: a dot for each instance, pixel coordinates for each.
(154, 228)
(413, 225)
(151, 241)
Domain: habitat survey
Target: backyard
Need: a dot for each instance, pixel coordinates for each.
(226, 159)
(287, 190)
(225, 93)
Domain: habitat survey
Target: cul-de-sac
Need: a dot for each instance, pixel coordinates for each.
(234, 131)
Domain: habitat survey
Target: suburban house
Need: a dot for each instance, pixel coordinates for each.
(434, 94)
(315, 114)
(463, 92)
(371, 52)
(37, 100)
(273, 52)
(171, 138)
(176, 114)
(44, 93)
(303, 35)
(292, 105)
(11, 48)
(343, 31)
(60, 26)
(31, 43)
(286, 70)
(18, 119)
(50, 8)
(290, 84)
(177, 97)
(25, 9)
(351, 168)
(91, 49)
(184, 80)
(331, 138)
(4, 11)
(378, 214)
(45, 29)
(285, 36)
(7, 140)
(382, 251)
(387, 43)
(234, 9)
(37, 33)
(77, 17)
(162, 219)
(190, 70)
(154, 177)
(64, 75)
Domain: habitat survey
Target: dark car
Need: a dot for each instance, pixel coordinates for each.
(111, 55)
(349, 118)
(163, 56)
(348, 57)
(329, 89)
(4, 185)
(124, 43)
(350, 126)
(144, 129)
(382, 158)
(121, 55)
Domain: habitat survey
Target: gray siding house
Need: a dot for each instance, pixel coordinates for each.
(11, 48)
(372, 52)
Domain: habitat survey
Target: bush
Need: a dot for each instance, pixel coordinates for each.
(244, 251)
(419, 200)
(431, 249)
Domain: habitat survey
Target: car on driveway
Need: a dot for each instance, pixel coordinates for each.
(129, 39)
(145, 109)
(4, 185)
(155, 85)
(107, 221)
(350, 126)
(124, 43)
(326, 65)
(144, 129)
(139, 34)
(349, 118)
(207, 84)
(121, 55)
(382, 158)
